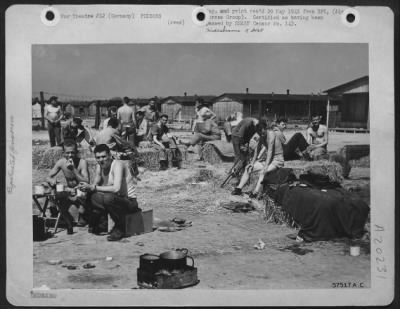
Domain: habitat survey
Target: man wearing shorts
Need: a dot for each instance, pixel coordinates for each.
(75, 171)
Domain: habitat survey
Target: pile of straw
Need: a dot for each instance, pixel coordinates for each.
(50, 157)
(150, 157)
(274, 213)
(211, 155)
(331, 169)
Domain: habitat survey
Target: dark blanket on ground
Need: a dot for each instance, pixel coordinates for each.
(323, 215)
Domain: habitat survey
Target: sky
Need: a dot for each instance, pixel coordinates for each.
(147, 70)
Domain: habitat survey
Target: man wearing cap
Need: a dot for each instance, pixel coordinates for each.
(54, 114)
(126, 115)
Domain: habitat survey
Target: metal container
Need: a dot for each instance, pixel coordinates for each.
(149, 262)
(175, 259)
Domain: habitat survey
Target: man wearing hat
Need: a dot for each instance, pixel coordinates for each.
(54, 114)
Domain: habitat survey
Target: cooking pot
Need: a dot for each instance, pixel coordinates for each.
(149, 262)
(175, 259)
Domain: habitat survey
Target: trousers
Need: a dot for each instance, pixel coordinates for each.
(113, 204)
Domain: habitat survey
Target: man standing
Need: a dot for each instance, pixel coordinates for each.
(150, 112)
(75, 171)
(142, 127)
(54, 115)
(126, 115)
(113, 191)
(162, 140)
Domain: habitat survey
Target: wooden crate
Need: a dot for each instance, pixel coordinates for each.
(136, 223)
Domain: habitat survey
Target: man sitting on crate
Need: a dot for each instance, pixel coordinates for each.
(75, 171)
(113, 192)
(162, 140)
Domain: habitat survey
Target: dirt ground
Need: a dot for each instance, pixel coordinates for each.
(220, 241)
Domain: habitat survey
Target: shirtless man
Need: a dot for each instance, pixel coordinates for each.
(274, 158)
(163, 140)
(75, 171)
(54, 114)
(113, 191)
(112, 113)
(317, 138)
(126, 115)
(106, 136)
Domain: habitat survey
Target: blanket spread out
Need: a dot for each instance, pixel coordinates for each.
(323, 214)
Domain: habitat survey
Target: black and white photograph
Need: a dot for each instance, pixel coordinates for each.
(185, 155)
(211, 166)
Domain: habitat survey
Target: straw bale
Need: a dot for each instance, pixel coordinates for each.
(211, 155)
(276, 214)
(150, 156)
(322, 167)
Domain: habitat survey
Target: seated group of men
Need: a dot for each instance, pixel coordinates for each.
(272, 148)
(112, 191)
(125, 129)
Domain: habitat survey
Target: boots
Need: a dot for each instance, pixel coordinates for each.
(163, 165)
(176, 163)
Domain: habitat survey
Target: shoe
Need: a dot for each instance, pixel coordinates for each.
(81, 222)
(115, 235)
(237, 191)
(163, 165)
(253, 195)
(53, 211)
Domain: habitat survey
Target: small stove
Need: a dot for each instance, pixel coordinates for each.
(167, 279)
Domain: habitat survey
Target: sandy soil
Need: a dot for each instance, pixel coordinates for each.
(220, 241)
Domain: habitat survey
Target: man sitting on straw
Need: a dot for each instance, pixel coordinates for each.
(297, 146)
(75, 171)
(162, 140)
(142, 127)
(242, 134)
(317, 137)
(113, 192)
(274, 158)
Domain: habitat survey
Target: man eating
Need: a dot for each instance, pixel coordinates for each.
(75, 171)
(113, 191)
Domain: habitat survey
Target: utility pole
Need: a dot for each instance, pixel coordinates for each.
(42, 108)
(97, 119)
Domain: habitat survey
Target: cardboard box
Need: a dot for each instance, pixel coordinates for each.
(136, 223)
